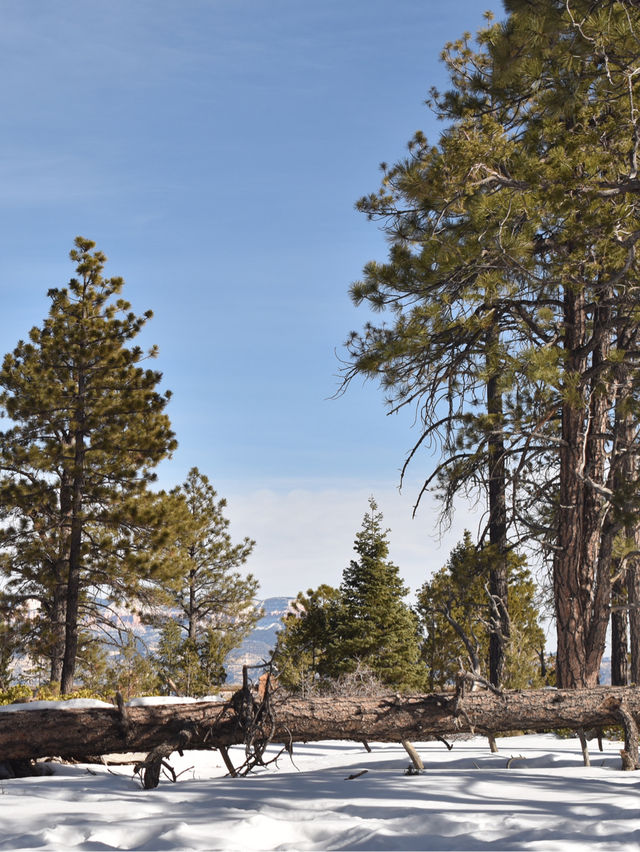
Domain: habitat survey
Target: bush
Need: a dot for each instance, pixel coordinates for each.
(16, 694)
(51, 692)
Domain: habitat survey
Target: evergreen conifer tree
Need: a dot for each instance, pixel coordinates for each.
(87, 428)
(456, 615)
(513, 261)
(373, 625)
(301, 647)
(206, 607)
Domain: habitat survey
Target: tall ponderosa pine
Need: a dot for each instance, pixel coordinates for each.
(373, 625)
(206, 608)
(524, 220)
(87, 428)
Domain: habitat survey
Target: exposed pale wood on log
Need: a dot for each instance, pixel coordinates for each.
(416, 760)
(630, 758)
(584, 746)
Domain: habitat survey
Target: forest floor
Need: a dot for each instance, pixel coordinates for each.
(535, 794)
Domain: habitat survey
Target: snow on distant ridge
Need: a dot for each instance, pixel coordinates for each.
(259, 644)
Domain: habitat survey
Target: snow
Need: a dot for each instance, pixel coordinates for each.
(69, 704)
(89, 703)
(154, 700)
(151, 700)
(466, 799)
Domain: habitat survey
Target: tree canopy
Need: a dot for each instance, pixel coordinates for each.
(511, 293)
(87, 428)
(206, 606)
(363, 624)
(456, 612)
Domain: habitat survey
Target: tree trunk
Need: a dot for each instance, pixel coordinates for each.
(57, 620)
(191, 617)
(633, 597)
(82, 733)
(582, 567)
(72, 609)
(619, 637)
(61, 574)
(75, 545)
(626, 590)
(498, 577)
(633, 593)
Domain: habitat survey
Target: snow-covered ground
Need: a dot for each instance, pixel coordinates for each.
(466, 798)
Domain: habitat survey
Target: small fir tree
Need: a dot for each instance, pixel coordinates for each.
(130, 671)
(373, 626)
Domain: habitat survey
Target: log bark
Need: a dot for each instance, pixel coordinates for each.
(78, 733)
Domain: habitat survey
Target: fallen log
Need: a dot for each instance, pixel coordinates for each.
(78, 733)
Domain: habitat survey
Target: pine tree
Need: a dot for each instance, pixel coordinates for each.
(456, 614)
(373, 626)
(518, 232)
(88, 427)
(206, 607)
(363, 625)
(130, 671)
(301, 647)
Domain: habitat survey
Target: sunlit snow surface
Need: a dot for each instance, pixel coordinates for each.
(71, 704)
(89, 703)
(467, 798)
(170, 699)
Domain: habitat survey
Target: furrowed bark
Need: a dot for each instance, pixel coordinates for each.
(82, 733)
(633, 597)
(582, 560)
(619, 635)
(498, 575)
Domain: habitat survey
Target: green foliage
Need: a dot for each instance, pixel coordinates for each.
(128, 670)
(177, 658)
(87, 426)
(373, 625)
(513, 258)
(187, 666)
(10, 643)
(301, 648)
(16, 694)
(22, 693)
(206, 607)
(363, 625)
(456, 615)
(51, 692)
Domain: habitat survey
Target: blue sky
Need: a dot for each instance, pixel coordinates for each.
(214, 150)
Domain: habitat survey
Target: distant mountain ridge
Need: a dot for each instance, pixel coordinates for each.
(259, 644)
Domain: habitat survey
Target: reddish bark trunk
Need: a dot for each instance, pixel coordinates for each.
(619, 636)
(633, 593)
(582, 562)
